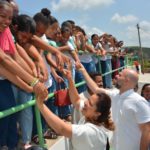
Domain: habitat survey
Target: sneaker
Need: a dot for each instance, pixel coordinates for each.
(26, 146)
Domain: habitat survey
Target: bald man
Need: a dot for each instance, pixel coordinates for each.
(130, 111)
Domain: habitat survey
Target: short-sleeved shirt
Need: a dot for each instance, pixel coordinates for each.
(6, 42)
(48, 83)
(88, 137)
(129, 110)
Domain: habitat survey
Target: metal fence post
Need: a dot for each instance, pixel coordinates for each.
(99, 65)
(39, 127)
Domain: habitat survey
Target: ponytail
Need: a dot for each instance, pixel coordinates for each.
(109, 124)
(103, 106)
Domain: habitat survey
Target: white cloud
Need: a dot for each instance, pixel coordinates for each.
(79, 4)
(123, 19)
(91, 30)
(145, 28)
(132, 34)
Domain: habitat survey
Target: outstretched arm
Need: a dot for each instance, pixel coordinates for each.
(9, 64)
(91, 84)
(26, 57)
(74, 96)
(15, 79)
(53, 121)
(39, 43)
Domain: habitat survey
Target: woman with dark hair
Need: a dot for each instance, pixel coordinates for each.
(145, 92)
(91, 132)
(25, 32)
(12, 70)
(42, 21)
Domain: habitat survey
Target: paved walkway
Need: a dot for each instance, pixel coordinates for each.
(144, 77)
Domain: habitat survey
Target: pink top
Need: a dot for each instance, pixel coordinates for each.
(6, 42)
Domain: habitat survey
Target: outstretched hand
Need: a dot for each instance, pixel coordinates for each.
(59, 60)
(40, 91)
(67, 73)
(79, 66)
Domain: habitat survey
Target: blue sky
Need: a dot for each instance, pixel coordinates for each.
(116, 17)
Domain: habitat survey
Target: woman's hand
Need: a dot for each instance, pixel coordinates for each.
(58, 79)
(39, 102)
(59, 59)
(40, 91)
(79, 66)
(42, 71)
(67, 73)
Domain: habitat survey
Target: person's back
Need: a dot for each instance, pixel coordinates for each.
(96, 137)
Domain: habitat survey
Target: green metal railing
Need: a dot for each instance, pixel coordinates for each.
(18, 108)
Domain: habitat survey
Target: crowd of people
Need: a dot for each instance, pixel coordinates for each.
(38, 56)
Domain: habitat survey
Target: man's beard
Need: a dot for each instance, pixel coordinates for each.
(117, 86)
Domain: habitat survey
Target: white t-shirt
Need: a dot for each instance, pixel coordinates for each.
(85, 57)
(99, 46)
(87, 136)
(108, 49)
(128, 111)
(67, 53)
(48, 83)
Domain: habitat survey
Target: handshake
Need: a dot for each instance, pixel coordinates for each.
(39, 89)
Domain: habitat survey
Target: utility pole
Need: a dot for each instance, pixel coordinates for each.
(142, 60)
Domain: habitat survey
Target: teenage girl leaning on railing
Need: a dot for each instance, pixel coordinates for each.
(13, 72)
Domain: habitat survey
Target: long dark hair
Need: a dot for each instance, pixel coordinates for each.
(43, 16)
(103, 106)
(26, 24)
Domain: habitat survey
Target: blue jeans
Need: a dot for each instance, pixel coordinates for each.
(79, 78)
(122, 63)
(63, 111)
(73, 76)
(50, 104)
(103, 68)
(8, 125)
(90, 68)
(98, 67)
(25, 116)
(108, 78)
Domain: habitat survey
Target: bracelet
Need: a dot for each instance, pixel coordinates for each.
(34, 82)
